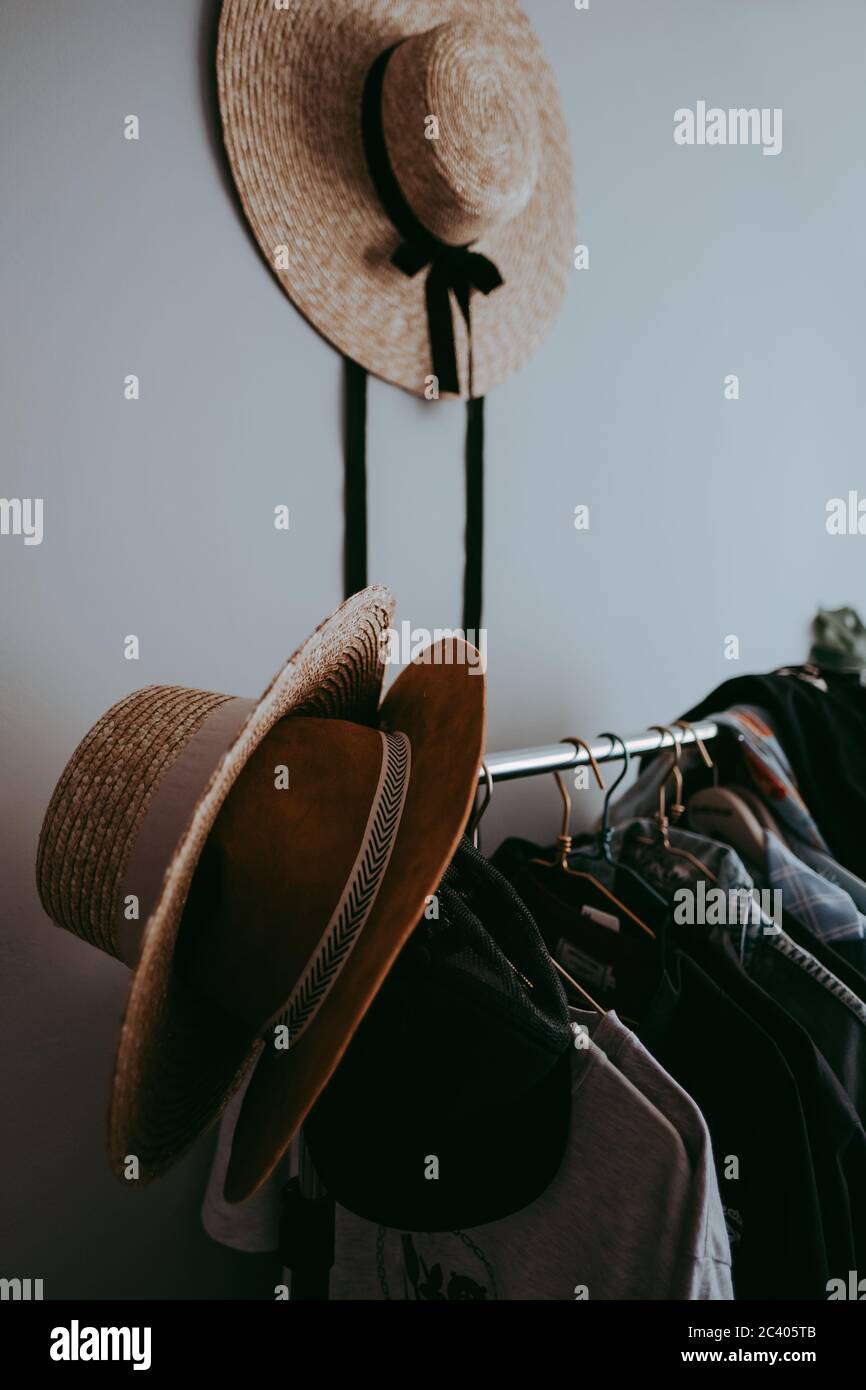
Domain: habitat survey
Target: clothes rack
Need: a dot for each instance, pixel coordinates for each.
(307, 1240)
(560, 757)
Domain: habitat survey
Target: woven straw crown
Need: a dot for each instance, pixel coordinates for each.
(100, 802)
(477, 167)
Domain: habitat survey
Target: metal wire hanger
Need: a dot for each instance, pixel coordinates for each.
(662, 818)
(564, 843)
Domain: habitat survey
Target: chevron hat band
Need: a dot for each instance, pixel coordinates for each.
(256, 862)
(360, 893)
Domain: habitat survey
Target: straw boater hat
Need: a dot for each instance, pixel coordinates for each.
(373, 139)
(258, 864)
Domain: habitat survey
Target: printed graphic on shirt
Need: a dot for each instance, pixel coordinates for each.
(443, 1267)
(734, 1224)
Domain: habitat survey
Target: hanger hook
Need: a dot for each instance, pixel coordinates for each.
(478, 812)
(677, 808)
(661, 814)
(666, 729)
(596, 771)
(563, 839)
(606, 834)
(702, 747)
(626, 758)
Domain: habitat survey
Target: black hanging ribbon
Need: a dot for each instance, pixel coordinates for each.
(456, 270)
(474, 545)
(355, 486)
(453, 269)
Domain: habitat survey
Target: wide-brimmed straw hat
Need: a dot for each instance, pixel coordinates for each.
(373, 139)
(259, 864)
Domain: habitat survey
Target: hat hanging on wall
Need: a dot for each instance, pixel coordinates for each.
(396, 158)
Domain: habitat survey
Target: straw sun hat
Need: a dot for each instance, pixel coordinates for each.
(258, 864)
(371, 140)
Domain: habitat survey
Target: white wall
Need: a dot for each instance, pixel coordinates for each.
(708, 517)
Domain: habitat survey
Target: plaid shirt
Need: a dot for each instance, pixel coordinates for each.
(759, 932)
(813, 901)
(813, 892)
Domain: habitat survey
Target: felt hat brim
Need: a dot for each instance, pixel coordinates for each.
(441, 708)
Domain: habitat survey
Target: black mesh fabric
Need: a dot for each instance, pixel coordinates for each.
(463, 1057)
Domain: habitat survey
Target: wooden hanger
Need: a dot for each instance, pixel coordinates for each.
(725, 814)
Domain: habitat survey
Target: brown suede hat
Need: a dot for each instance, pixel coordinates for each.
(259, 864)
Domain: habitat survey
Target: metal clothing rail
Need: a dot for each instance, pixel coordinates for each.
(559, 757)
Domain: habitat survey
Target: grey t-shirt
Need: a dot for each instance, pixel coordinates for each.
(617, 1222)
(634, 1211)
(706, 1233)
(254, 1225)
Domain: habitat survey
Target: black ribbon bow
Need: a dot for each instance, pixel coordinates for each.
(452, 269)
(456, 270)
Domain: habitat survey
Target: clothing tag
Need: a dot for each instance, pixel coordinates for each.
(576, 962)
(602, 919)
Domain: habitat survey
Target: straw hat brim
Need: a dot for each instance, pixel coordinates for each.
(290, 89)
(442, 710)
(180, 1058)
